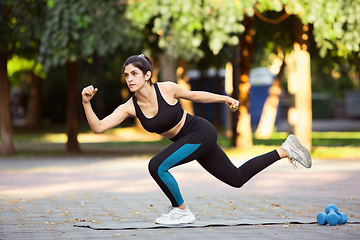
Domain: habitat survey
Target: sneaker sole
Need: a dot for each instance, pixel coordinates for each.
(305, 154)
(184, 220)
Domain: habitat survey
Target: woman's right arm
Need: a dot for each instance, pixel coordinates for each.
(118, 116)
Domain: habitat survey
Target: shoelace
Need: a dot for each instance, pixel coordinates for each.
(293, 162)
(168, 210)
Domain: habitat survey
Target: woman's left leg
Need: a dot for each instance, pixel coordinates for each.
(219, 165)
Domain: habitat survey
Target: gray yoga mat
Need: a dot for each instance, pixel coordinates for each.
(196, 224)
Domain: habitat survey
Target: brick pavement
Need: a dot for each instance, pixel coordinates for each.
(42, 198)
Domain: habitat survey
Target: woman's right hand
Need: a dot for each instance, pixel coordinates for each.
(88, 93)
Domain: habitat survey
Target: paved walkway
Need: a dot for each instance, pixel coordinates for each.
(42, 198)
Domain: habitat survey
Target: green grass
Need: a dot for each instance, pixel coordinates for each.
(325, 145)
(337, 145)
(324, 139)
(329, 139)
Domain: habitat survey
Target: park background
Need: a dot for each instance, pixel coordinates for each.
(290, 63)
(293, 65)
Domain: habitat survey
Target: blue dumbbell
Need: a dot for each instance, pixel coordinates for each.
(321, 218)
(332, 214)
(343, 218)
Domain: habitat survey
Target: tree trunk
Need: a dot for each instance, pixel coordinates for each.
(235, 94)
(244, 138)
(156, 69)
(300, 86)
(100, 95)
(184, 82)
(269, 112)
(7, 145)
(72, 119)
(33, 113)
(217, 120)
(229, 76)
(202, 82)
(292, 85)
(167, 68)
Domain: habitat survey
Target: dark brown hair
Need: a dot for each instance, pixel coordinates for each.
(142, 62)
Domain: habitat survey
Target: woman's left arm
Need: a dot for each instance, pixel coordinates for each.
(204, 97)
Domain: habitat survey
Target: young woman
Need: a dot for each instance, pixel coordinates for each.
(157, 107)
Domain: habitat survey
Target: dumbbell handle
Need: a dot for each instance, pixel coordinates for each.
(331, 208)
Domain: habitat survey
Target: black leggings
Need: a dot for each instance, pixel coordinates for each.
(197, 140)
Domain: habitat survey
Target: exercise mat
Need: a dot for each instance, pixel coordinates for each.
(197, 224)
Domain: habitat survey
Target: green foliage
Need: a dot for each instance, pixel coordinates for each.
(181, 26)
(335, 87)
(50, 3)
(178, 24)
(336, 25)
(17, 65)
(272, 38)
(21, 24)
(76, 29)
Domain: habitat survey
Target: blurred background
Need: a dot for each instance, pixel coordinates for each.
(293, 65)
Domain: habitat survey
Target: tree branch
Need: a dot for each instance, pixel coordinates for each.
(271, 21)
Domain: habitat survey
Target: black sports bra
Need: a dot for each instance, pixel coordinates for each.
(166, 118)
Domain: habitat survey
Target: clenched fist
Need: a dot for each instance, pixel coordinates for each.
(88, 93)
(233, 104)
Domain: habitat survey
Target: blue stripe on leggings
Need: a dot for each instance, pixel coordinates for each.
(172, 160)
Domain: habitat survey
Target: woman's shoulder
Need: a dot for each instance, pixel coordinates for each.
(168, 85)
(129, 107)
(168, 90)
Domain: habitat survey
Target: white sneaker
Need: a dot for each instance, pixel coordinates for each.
(296, 152)
(174, 215)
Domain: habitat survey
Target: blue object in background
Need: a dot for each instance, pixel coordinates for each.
(209, 86)
(261, 80)
(258, 95)
(209, 108)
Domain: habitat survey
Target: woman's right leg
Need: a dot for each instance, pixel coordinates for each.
(177, 153)
(219, 165)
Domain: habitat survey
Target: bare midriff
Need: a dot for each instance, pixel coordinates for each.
(176, 129)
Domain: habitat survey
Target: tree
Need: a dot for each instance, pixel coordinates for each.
(336, 25)
(274, 39)
(183, 25)
(335, 28)
(298, 62)
(26, 72)
(19, 26)
(246, 51)
(76, 30)
(7, 146)
(269, 112)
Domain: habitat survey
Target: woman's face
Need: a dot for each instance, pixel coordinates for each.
(135, 78)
